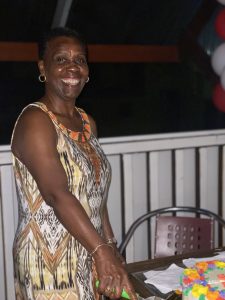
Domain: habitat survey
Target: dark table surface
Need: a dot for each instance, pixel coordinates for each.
(146, 290)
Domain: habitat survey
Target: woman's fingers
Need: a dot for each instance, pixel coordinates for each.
(112, 275)
(115, 290)
(105, 284)
(131, 293)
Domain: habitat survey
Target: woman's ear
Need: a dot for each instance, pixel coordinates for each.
(41, 67)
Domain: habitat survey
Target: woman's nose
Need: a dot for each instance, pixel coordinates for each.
(72, 65)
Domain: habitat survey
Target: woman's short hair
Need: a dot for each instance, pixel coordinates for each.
(57, 32)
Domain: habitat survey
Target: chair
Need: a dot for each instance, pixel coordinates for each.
(175, 234)
(178, 235)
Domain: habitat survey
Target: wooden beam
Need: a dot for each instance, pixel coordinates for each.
(133, 53)
(15, 51)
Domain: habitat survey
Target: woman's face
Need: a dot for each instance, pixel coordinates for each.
(65, 67)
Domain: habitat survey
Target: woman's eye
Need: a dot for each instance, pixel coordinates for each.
(60, 59)
(81, 61)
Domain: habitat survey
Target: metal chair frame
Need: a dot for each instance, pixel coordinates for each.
(165, 210)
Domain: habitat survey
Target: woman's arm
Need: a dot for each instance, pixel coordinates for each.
(109, 235)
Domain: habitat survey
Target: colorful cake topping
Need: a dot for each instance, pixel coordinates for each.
(206, 281)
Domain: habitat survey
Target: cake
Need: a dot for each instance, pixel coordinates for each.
(205, 281)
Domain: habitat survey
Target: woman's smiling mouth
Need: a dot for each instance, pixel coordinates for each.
(71, 81)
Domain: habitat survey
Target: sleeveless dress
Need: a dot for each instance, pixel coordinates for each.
(49, 264)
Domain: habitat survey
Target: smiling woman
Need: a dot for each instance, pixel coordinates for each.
(64, 241)
(64, 67)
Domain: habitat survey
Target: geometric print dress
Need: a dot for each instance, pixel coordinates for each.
(49, 263)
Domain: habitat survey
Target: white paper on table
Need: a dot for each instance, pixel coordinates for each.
(190, 262)
(165, 280)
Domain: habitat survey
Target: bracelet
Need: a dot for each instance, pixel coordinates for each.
(111, 240)
(98, 246)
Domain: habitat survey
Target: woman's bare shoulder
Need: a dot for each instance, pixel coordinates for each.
(33, 116)
(33, 123)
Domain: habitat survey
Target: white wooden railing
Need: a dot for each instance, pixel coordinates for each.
(149, 172)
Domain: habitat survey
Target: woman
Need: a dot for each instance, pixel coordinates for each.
(64, 241)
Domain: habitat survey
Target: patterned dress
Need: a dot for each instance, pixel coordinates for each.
(49, 263)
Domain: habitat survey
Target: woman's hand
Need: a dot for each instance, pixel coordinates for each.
(118, 255)
(111, 274)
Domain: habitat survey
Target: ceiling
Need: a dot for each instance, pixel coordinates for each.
(101, 22)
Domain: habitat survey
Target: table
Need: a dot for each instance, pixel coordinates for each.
(145, 290)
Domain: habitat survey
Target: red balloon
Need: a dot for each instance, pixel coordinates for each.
(219, 97)
(220, 24)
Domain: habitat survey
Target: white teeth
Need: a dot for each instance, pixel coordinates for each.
(71, 81)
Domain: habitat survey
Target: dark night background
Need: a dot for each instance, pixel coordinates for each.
(124, 98)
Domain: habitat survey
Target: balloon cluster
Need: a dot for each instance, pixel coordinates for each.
(218, 61)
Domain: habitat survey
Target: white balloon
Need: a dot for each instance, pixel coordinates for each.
(221, 1)
(218, 59)
(222, 79)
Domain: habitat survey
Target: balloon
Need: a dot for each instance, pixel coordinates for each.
(220, 23)
(218, 59)
(219, 97)
(221, 1)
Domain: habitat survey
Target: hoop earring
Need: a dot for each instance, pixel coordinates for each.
(87, 80)
(42, 78)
